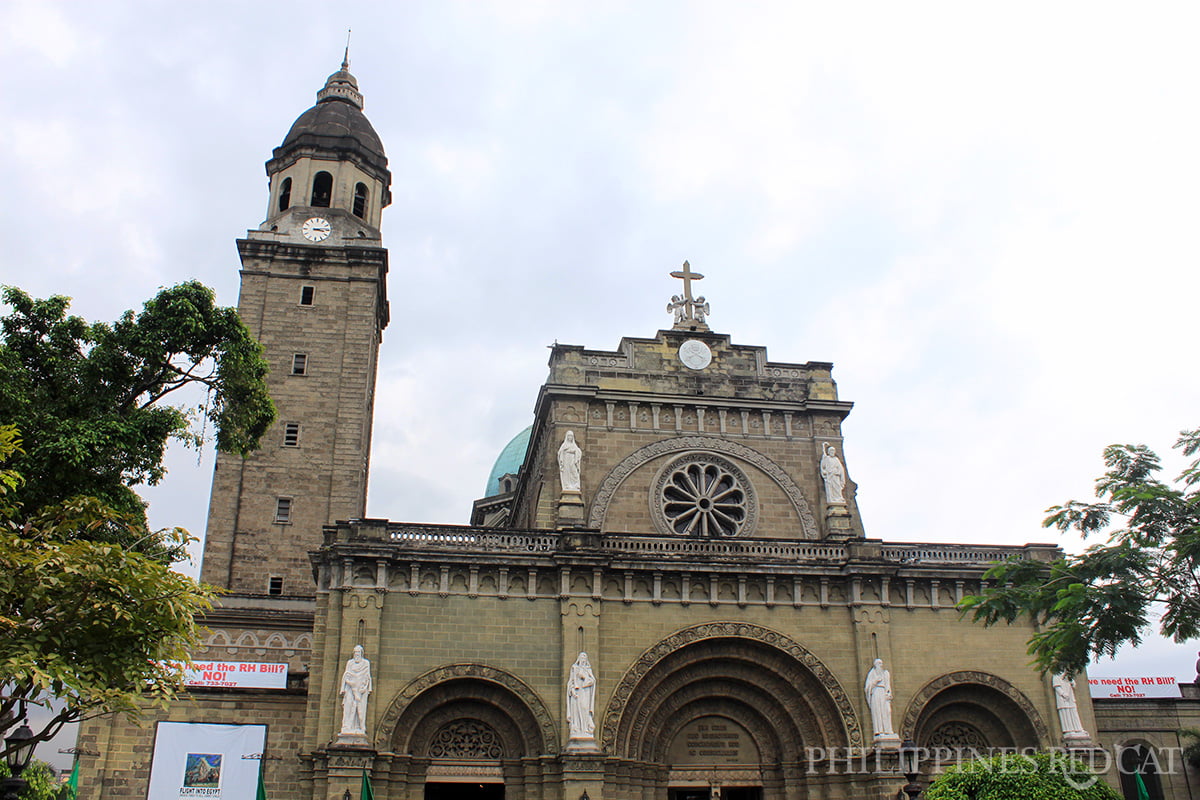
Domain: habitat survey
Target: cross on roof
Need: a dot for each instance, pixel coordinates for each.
(687, 276)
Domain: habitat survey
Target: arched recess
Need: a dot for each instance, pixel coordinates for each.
(442, 697)
(780, 693)
(612, 482)
(973, 710)
(1139, 757)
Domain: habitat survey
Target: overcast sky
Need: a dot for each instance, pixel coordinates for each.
(985, 217)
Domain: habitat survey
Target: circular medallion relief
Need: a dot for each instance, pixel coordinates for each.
(705, 496)
(695, 354)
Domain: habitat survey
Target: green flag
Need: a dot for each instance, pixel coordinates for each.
(366, 792)
(262, 789)
(1142, 794)
(73, 781)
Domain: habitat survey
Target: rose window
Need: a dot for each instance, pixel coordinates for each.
(704, 496)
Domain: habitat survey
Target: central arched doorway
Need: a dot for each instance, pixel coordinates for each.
(725, 710)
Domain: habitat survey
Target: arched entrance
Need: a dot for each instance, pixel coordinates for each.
(1139, 760)
(725, 710)
(964, 714)
(469, 732)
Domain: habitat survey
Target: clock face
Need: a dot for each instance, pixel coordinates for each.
(695, 354)
(316, 229)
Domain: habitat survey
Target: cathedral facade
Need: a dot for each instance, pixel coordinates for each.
(667, 593)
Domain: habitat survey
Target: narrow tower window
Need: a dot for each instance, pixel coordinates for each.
(306, 295)
(283, 510)
(299, 364)
(275, 586)
(360, 200)
(322, 189)
(285, 194)
(291, 434)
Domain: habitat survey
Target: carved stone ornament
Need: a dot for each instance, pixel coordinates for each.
(465, 739)
(612, 482)
(723, 630)
(703, 495)
(958, 736)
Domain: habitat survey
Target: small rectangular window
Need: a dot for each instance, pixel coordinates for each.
(299, 364)
(306, 295)
(283, 510)
(291, 434)
(275, 586)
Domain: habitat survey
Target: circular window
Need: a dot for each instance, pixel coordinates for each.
(702, 495)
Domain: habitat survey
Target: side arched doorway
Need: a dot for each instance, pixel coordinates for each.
(1139, 760)
(968, 714)
(725, 710)
(468, 732)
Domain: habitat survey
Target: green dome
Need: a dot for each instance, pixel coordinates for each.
(509, 461)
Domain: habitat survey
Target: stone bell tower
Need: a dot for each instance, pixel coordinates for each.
(314, 293)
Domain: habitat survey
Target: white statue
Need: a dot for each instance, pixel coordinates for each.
(581, 699)
(356, 685)
(677, 307)
(569, 456)
(1068, 709)
(879, 698)
(834, 475)
(700, 309)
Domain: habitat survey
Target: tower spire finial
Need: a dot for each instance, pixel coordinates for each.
(346, 56)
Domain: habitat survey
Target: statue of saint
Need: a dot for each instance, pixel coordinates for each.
(677, 307)
(834, 475)
(700, 309)
(569, 456)
(581, 699)
(879, 698)
(356, 685)
(1068, 709)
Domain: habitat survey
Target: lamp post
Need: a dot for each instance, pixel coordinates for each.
(910, 765)
(20, 750)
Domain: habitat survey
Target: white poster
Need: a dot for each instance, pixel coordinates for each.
(1134, 687)
(194, 759)
(236, 675)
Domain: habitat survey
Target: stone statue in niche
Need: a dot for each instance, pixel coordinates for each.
(1068, 708)
(581, 699)
(569, 457)
(878, 689)
(356, 685)
(834, 475)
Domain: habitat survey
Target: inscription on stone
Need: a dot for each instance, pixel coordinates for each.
(713, 740)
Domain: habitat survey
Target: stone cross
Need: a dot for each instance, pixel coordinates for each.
(687, 276)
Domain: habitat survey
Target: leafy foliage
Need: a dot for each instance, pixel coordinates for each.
(1191, 750)
(90, 623)
(90, 398)
(1011, 776)
(40, 780)
(90, 612)
(1088, 605)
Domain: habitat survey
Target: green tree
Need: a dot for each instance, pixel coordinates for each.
(93, 624)
(92, 400)
(40, 778)
(1010, 776)
(1088, 605)
(91, 612)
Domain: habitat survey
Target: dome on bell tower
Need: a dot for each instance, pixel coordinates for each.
(331, 157)
(336, 123)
